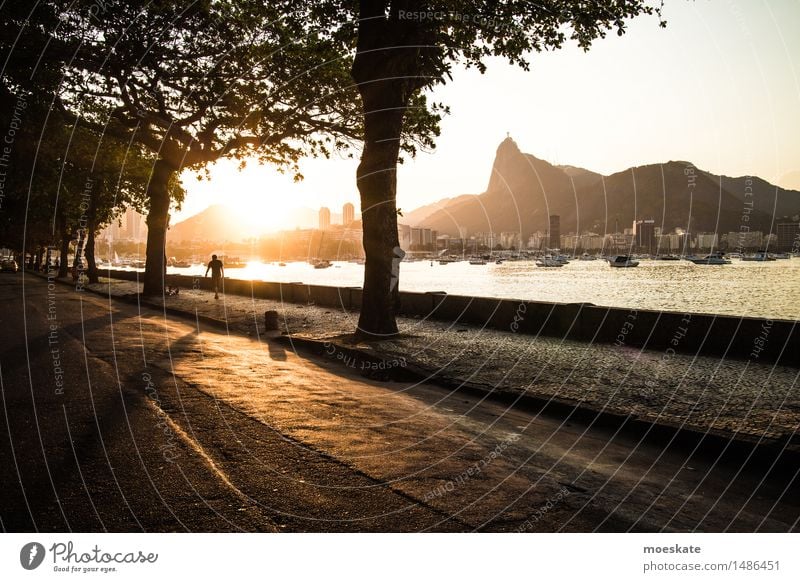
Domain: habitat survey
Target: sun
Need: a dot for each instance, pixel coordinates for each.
(260, 213)
(257, 198)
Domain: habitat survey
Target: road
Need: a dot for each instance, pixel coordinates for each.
(119, 418)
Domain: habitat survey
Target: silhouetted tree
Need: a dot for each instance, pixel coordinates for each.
(405, 47)
(196, 82)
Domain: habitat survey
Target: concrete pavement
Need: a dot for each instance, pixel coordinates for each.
(167, 425)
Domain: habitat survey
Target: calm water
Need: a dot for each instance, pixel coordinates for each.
(770, 289)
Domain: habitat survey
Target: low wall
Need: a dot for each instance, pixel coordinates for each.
(759, 340)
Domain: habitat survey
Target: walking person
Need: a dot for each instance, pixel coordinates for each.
(217, 273)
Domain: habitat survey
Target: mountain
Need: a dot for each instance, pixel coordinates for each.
(215, 223)
(524, 190)
(220, 223)
(418, 215)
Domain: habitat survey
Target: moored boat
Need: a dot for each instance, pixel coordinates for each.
(759, 256)
(717, 258)
(622, 261)
(549, 262)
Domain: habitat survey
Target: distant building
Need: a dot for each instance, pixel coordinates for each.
(488, 240)
(788, 234)
(677, 242)
(644, 232)
(324, 218)
(555, 231)
(591, 242)
(536, 240)
(707, 240)
(510, 240)
(423, 239)
(570, 242)
(745, 240)
(404, 236)
(348, 213)
(618, 242)
(134, 225)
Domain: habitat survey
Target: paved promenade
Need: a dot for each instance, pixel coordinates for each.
(159, 423)
(728, 395)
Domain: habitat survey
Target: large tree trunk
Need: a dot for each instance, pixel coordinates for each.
(377, 184)
(76, 260)
(91, 263)
(63, 267)
(385, 71)
(157, 221)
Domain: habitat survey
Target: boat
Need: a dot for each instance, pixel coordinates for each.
(563, 259)
(234, 263)
(322, 264)
(587, 257)
(782, 256)
(622, 261)
(667, 258)
(549, 262)
(498, 262)
(717, 258)
(477, 262)
(760, 256)
(180, 264)
(281, 264)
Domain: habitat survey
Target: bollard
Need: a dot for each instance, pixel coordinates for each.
(271, 320)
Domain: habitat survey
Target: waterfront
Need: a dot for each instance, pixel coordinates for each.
(769, 289)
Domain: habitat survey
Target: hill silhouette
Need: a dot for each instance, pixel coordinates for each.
(524, 190)
(219, 223)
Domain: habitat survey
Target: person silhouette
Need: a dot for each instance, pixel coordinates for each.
(217, 273)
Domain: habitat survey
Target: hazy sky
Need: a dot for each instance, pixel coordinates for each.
(720, 86)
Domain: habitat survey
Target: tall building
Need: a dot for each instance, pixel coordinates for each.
(324, 218)
(555, 231)
(135, 228)
(510, 240)
(423, 239)
(404, 236)
(644, 232)
(788, 236)
(348, 214)
(707, 240)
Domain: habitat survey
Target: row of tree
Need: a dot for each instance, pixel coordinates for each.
(121, 97)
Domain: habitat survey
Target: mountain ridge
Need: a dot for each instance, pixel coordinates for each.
(524, 190)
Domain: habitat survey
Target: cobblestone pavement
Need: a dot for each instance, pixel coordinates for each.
(702, 392)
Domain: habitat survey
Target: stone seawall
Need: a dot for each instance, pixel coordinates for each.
(755, 339)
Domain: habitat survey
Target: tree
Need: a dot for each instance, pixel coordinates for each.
(405, 47)
(25, 88)
(101, 177)
(197, 83)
